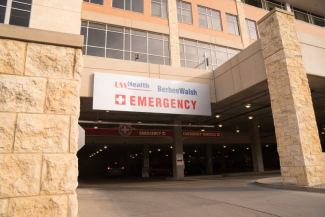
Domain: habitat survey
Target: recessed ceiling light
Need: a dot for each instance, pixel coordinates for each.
(95, 127)
(323, 133)
(248, 105)
(195, 150)
(105, 147)
(100, 149)
(171, 147)
(267, 146)
(107, 111)
(158, 149)
(139, 122)
(150, 152)
(220, 125)
(183, 152)
(237, 131)
(224, 146)
(202, 130)
(217, 116)
(97, 152)
(250, 117)
(233, 150)
(247, 148)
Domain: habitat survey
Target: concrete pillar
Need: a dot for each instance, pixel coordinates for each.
(256, 147)
(178, 161)
(288, 7)
(223, 160)
(242, 23)
(208, 159)
(173, 34)
(296, 131)
(39, 112)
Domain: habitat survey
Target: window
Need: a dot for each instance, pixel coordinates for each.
(3, 5)
(270, 5)
(184, 12)
(255, 3)
(20, 12)
(301, 15)
(209, 18)
(159, 8)
(317, 20)
(192, 54)
(99, 2)
(264, 4)
(251, 29)
(125, 44)
(232, 23)
(129, 5)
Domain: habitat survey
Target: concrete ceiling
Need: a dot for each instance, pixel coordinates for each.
(314, 6)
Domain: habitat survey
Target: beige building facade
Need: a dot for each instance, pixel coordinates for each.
(266, 59)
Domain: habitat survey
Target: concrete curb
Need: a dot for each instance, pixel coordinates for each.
(277, 184)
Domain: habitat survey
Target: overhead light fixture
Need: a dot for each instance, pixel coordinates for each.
(202, 130)
(136, 155)
(132, 157)
(247, 148)
(267, 146)
(150, 152)
(233, 150)
(259, 126)
(107, 111)
(183, 152)
(100, 149)
(166, 155)
(195, 151)
(105, 147)
(237, 131)
(99, 121)
(224, 146)
(217, 116)
(97, 152)
(171, 147)
(323, 133)
(139, 122)
(248, 105)
(220, 125)
(95, 127)
(189, 156)
(189, 124)
(90, 156)
(158, 149)
(250, 117)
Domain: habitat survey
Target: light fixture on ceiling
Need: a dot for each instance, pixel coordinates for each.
(107, 111)
(183, 152)
(189, 124)
(136, 155)
(220, 125)
(250, 117)
(150, 152)
(195, 151)
(247, 148)
(166, 155)
(224, 146)
(90, 156)
(238, 131)
(171, 147)
(189, 156)
(323, 132)
(202, 130)
(97, 152)
(233, 150)
(267, 146)
(139, 122)
(131, 155)
(217, 116)
(248, 105)
(105, 147)
(95, 127)
(99, 121)
(158, 149)
(100, 149)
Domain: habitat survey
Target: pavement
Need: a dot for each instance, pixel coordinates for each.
(212, 196)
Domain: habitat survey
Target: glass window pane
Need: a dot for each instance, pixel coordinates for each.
(19, 18)
(301, 16)
(256, 3)
(127, 42)
(191, 53)
(183, 63)
(128, 5)
(221, 58)
(127, 55)
(167, 61)
(84, 33)
(97, 26)
(181, 50)
(156, 9)
(21, 6)
(153, 35)
(229, 17)
(93, 51)
(139, 44)
(319, 22)
(190, 42)
(114, 40)
(136, 32)
(137, 6)
(164, 11)
(96, 37)
(231, 27)
(118, 4)
(84, 23)
(2, 14)
(187, 16)
(25, 1)
(156, 60)
(155, 47)
(166, 49)
(215, 13)
(114, 28)
(115, 54)
(232, 51)
(179, 15)
(164, 1)
(142, 57)
(203, 20)
(201, 10)
(186, 5)
(218, 48)
(100, 2)
(205, 45)
(253, 33)
(216, 24)
(3, 2)
(191, 64)
(178, 3)
(209, 22)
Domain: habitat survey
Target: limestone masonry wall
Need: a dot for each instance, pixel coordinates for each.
(39, 111)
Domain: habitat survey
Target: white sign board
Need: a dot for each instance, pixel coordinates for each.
(179, 160)
(139, 94)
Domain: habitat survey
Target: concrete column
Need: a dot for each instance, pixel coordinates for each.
(39, 112)
(208, 159)
(288, 7)
(223, 159)
(178, 166)
(242, 23)
(173, 34)
(256, 147)
(296, 131)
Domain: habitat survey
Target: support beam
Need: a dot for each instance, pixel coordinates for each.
(296, 130)
(242, 23)
(173, 34)
(208, 159)
(256, 147)
(178, 161)
(288, 7)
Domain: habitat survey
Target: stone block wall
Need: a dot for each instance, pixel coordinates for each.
(296, 130)
(39, 111)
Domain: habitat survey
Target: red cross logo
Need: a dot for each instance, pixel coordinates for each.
(120, 99)
(125, 130)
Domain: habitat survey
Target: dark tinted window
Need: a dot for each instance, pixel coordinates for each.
(2, 11)
(100, 2)
(19, 18)
(130, 5)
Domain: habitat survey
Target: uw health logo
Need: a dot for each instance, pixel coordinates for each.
(120, 99)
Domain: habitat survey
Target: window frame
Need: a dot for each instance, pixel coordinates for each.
(250, 27)
(89, 1)
(9, 7)
(211, 15)
(131, 3)
(130, 32)
(181, 9)
(161, 10)
(236, 23)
